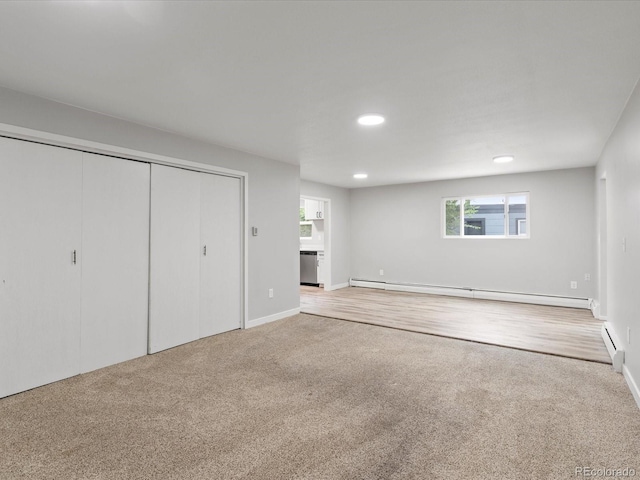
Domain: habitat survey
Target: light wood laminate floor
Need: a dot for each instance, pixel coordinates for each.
(568, 332)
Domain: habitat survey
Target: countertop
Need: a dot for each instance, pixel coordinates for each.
(312, 248)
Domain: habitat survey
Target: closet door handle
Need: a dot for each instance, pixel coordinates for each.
(204, 250)
(74, 258)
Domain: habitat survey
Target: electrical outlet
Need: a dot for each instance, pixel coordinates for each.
(574, 284)
(271, 293)
(587, 277)
(381, 272)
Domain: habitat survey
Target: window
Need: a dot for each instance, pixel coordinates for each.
(474, 226)
(488, 216)
(306, 228)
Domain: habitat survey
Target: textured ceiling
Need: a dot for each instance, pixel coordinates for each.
(459, 82)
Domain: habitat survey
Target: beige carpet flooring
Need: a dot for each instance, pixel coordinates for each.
(316, 398)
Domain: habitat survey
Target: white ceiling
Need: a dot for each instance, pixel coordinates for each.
(459, 82)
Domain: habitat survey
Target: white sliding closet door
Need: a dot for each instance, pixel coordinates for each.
(175, 257)
(40, 218)
(220, 272)
(115, 261)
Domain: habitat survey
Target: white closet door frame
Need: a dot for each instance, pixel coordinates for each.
(22, 133)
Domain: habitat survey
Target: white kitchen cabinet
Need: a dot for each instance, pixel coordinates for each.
(321, 268)
(115, 261)
(174, 304)
(221, 255)
(313, 209)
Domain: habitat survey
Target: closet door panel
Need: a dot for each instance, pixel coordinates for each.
(221, 268)
(40, 215)
(175, 257)
(115, 261)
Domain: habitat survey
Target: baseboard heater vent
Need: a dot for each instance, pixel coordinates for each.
(613, 346)
(468, 292)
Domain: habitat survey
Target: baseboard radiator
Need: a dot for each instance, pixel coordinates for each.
(614, 347)
(556, 301)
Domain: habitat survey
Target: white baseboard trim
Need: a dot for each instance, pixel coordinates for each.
(480, 294)
(633, 386)
(331, 288)
(365, 284)
(534, 299)
(272, 318)
(452, 292)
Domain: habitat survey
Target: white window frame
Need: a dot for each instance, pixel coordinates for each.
(519, 221)
(505, 235)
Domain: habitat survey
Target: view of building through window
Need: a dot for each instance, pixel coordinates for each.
(503, 215)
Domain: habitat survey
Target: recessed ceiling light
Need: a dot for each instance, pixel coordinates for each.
(360, 175)
(503, 159)
(370, 119)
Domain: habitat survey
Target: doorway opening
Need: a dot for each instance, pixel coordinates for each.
(315, 242)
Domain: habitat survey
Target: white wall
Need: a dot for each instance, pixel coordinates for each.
(620, 162)
(398, 229)
(273, 187)
(340, 227)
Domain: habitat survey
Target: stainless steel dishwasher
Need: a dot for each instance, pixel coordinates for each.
(309, 268)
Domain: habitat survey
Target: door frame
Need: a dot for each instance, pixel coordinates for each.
(53, 139)
(601, 309)
(327, 238)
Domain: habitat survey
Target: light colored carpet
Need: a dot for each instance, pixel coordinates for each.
(317, 398)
